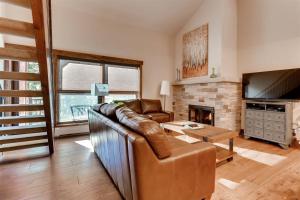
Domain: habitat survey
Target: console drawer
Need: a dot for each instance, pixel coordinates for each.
(278, 137)
(249, 123)
(274, 116)
(274, 126)
(258, 133)
(259, 115)
(249, 114)
(268, 116)
(249, 132)
(280, 117)
(268, 135)
(259, 124)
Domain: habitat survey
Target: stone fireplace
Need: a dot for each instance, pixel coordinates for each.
(224, 97)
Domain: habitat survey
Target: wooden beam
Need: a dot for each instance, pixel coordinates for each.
(22, 3)
(17, 54)
(20, 107)
(96, 58)
(4, 149)
(18, 28)
(22, 139)
(20, 93)
(19, 76)
(80, 56)
(21, 119)
(22, 129)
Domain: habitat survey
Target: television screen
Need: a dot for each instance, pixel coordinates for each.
(281, 84)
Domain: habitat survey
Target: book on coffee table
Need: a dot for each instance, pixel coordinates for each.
(186, 124)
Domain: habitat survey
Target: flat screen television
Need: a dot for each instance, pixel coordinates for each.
(272, 85)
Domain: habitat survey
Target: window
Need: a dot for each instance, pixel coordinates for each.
(74, 80)
(123, 82)
(80, 76)
(74, 97)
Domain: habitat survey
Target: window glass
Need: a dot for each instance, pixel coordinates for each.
(79, 76)
(113, 97)
(123, 78)
(75, 79)
(73, 107)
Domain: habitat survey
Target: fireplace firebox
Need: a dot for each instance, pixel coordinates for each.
(202, 114)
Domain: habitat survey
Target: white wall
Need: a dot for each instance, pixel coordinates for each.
(222, 19)
(76, 31)
(21, 14)
(82, 32)
(268, 35)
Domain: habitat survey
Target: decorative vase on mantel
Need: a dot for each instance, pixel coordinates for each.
(213, 74)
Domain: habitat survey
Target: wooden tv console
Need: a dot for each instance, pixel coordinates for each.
(270, 121)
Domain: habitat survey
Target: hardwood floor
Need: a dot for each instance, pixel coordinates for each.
(259, 171)
(73, 172)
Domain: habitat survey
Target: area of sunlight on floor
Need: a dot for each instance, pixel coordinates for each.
(229, 184)
(86, 143)
(258, 156)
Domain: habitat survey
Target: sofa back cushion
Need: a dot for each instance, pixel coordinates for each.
(109, 110)
(134, 105)
(147, 128)
(97, 107)
(150, 106)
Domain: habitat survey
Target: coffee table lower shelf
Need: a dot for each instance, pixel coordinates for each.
(223, 155)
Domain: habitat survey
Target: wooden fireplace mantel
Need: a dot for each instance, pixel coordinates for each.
(205, 80)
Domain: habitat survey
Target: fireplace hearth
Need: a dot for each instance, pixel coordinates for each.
(202, 114)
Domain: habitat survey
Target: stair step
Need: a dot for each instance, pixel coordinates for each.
(19, 76)
(20, 107)
(19, 147)
(22, 139)
(17, 54)
(20, 93)
(22, 129)
(22, 3)
(18, 28)
(21, 119)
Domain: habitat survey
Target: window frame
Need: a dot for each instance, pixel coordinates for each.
(93, 59)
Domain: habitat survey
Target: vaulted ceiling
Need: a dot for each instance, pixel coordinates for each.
(157, 15)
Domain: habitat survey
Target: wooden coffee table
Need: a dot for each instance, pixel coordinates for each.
(207, 134)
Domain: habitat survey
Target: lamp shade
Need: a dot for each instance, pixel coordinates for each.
(99, 89)
(165, 88)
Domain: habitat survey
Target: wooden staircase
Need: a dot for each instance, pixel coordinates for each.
(13, 135)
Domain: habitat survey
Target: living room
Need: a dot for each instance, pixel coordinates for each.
(194, 99)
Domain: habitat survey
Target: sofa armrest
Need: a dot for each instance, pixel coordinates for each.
(193, 169)
(171, 114)
(189, 173)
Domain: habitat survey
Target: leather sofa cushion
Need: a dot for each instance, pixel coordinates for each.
(97, 107)
(109, 110)
(150, 106)
(159, 117)
(147, 128)
(134, 105)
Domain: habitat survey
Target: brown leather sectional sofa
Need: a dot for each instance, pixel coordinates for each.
(151, 109)
(145, 163)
